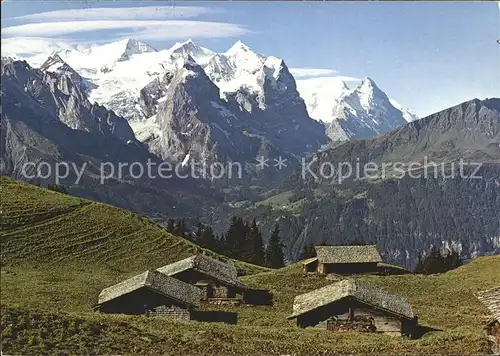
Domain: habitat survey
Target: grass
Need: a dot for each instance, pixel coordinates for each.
(40, 226)
(278, 200)
(58, 252)
(282, 202)
(29, 332)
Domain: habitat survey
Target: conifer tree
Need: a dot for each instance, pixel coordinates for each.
(245, 242)
(257, 247)
(274, 250)
(437, 262)
(434, 261)
(207, 238)
(221, 244)
(419, 268)
(235, 237)
(199, 230)
(171, 225)
(452, 260)
(180, 227)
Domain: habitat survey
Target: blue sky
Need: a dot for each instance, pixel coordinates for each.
(426, 55)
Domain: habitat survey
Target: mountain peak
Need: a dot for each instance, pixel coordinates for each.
(132, 43)
(368, 83)
(198, 53)
(238, 47)
(179, 46)
(53, 63)
(368, 87)
(132, 46)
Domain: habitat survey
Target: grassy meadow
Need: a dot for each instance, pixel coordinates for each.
(58, 252)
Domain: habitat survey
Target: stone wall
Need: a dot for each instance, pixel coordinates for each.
(225, 301)
(206, 290)
(358, 324)
(170, 313)
(220, 291)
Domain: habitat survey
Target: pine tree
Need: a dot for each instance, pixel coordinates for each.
(207, 238)
(180, 227)
(419, 268)
(308, 251)
(199, 230)
(171, 225)
(221, 245)
(235, 238)
(274, 250)
(456, 261)
(434, 261)
(257, 247)
(452, 260)
(246, 243)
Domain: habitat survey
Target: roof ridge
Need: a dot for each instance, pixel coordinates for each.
(155, 281)
(352, 288)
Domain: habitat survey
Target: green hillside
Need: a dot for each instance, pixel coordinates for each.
(58, 252)
(39, 226)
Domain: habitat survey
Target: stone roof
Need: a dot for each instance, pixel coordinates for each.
(158, 282)
(348, 254)
(491, 299)
(223, 272)
(350, 288)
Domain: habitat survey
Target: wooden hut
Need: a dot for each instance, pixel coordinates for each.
(491, 299)
(344, 260)
(352, 305)
(150, 293)
(217, 280)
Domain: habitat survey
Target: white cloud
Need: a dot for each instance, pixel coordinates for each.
(140, 29)
(121, 13)
(327, 80)
(31, 45)
(311, 72)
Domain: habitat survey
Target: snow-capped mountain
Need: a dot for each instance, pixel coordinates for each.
(258, 94)
(358, 113)
(46, 118)
(200, 54)
(62, 95)
(407, 114)
(118, 70)
(237, 68)
(195, 119)
(320, 95)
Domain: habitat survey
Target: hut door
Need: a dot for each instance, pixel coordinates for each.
(210, 291)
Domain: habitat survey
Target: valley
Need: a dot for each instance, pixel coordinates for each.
(222, 131)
